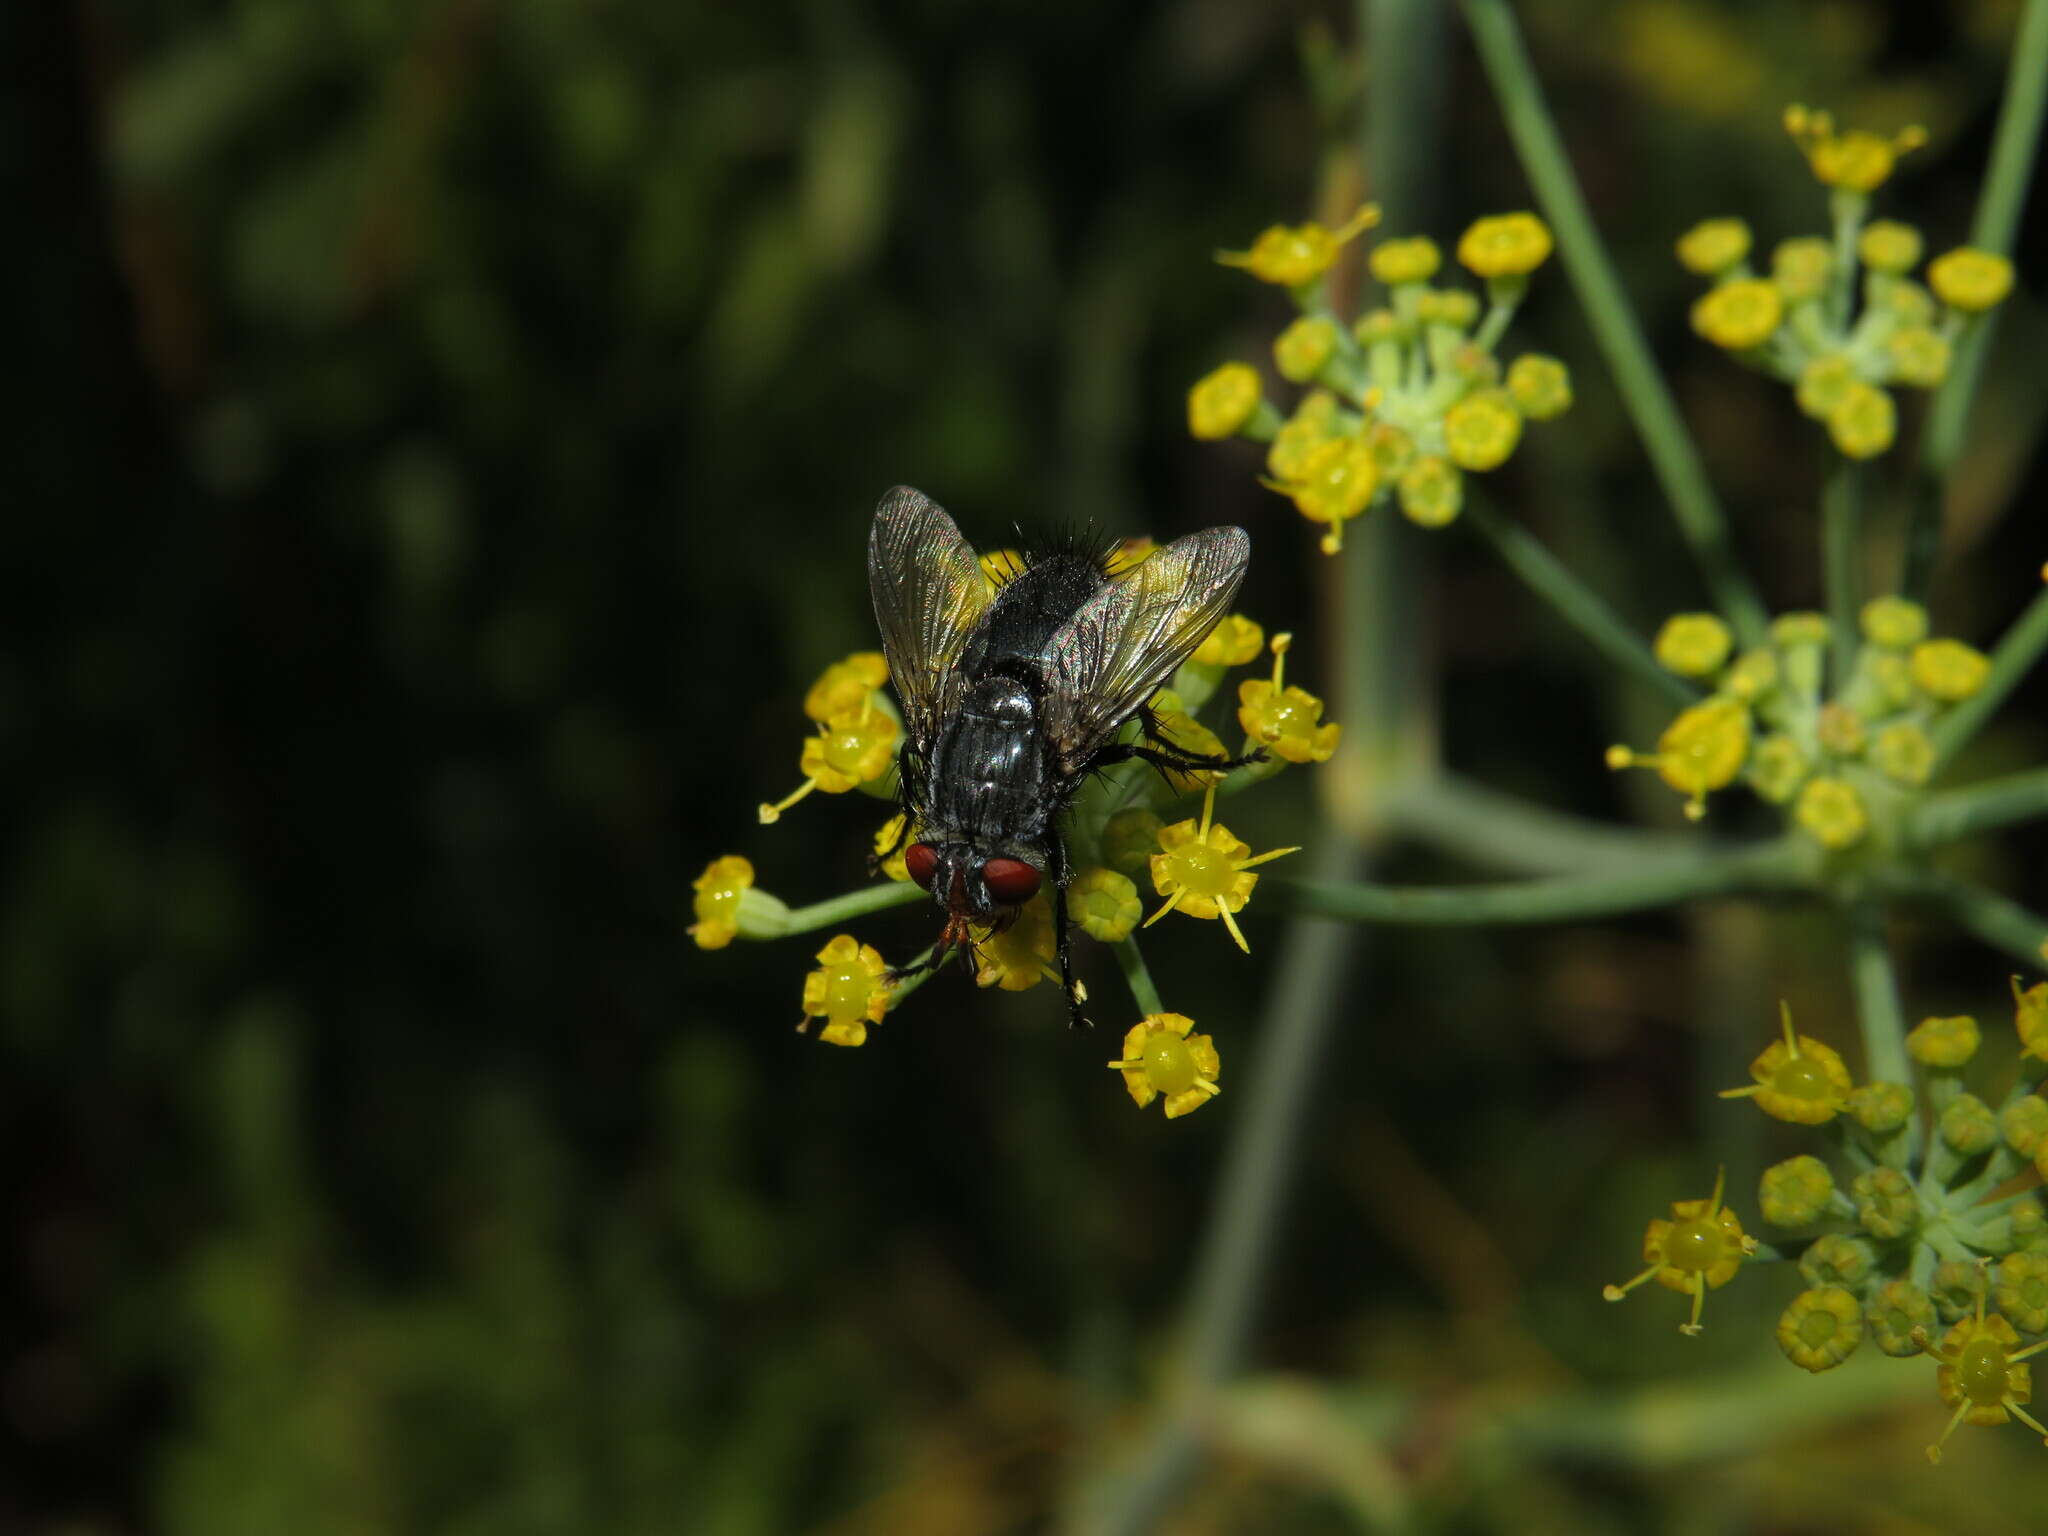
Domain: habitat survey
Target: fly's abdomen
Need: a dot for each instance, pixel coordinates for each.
(988, 774)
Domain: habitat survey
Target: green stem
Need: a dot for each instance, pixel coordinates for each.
(1643, 391)
(1878, 1012)
(1991, 919)
(1490, 828)
(1139, 977)
(1954, 813)
(840, 909)
(2011, 660)
(1581, 607)
(1780, 865)
(2015, 142)
(1841, 550)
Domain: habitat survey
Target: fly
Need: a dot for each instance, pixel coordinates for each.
(1013, 695)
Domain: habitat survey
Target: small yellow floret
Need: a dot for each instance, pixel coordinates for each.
(1406, 261)
(1204, 871)
(2030, 1016)
(1889, 246)
(1856, 161)
(1693, 644)
(1821, 1328)
(855, 747)
(1832, 813)
(1945, 1043)
(1949, 670)
(1105, 904)
(1893, 622)
(1798, 1079)
(1823, 381)
(1223, 401)
(1304, 349)
(1738, 315)
(1700, 751)
(1482, 429)
(1020, 955)
(1541, 386)
(1863, 422)
(1336, 482)
(1699, 1250)
(1161, 1056)
(1918, 355)
(1505, 245)
(845, 685)
(848, 991)
(1293, 255)
(1431, 491)
(1800, 268)
(1285, 720)
(1969, 279)
(1712, 246)
(1979, 1374)
(717, 902)
(1234, 641)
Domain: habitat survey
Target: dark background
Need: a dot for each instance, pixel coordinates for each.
(440, 442)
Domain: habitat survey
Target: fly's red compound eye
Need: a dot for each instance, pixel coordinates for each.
(1010, 881)
(921, 860)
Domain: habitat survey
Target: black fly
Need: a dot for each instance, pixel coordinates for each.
(1013, 695)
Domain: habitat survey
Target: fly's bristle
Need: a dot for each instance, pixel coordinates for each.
(1069, 540)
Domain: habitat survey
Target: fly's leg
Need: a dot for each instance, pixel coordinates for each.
(1062, 872)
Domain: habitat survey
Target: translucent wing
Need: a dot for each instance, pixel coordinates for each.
(929, 594)
(1126, 640)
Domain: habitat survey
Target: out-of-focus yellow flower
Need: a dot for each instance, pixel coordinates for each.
(1822, 384)
(1336, 482)
(1698, 1250)
(848, 990)
(1841, 731)
(1505, 245)
(1712, 246)
(1791, 630)
(1919, 356)
(1798, 1078)
(1777, 768)
(1800, 268)
(1105, 904)
(1693, 644)
(2030, 1017)
(1482, 429)
(2023, 1289)
(1413, 260)
(717, 902)
(844, 686)
(1856, 161)
(1979, 1374)
(1863, 422)
(1969, 279)
(1223, 400)
(1234, 641)
(1949, 670)
(1738, 315)
(1796, 1192)
(1285, 720)
(1457, 308)
(1204, 871)
(855, 747)
(1431, 491)
(1889, 246)
(1303, 350)
(1821, 1328)
(1903, 753)
(1162, 1056)
(1832, 813)
(1893, 622)
(1020, 955)
(1541, 386)
(1945, 1043)
(1700, 751)
(1313, 423)
(1293, 255)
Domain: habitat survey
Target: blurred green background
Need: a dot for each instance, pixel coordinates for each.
(441, 439)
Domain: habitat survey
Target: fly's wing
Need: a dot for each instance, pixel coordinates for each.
(929, 595)
(1121, 644)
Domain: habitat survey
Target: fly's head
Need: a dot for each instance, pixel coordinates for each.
(972, 886)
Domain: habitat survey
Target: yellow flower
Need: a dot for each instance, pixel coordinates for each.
(852, 748)
(1105, 904)
(1017, 956)
(1712, 246)
(1738, 315)
(1223, 401)
(1162, 1057)
(1186, 734)
(717, 901)
(1863, 422)
(1698, 1250)
(1234, 641)
(845, 685)
(1893, 622)
(891, 845)
(1505, 245)
(1796, 1192)
(1856, 161)
(1898, 1312)
(1693, 644)
(1919, 356)
(1454, 307)
(1482, 429)
(1903, 753)
(1969, 279)
(1700, 751)
(1285, 720)
(1301, 351)
(1127, 554)
(848, 990)
(1822, 384)
(1798, 1079)
(1313, 423)
(1800, 268)
(1291, 256)
(1431, 491)
(1204, 871)
(1821, 1328)
(1799, 629)
(2023, 1289)
(1392, 449)
(2030, 1017)
(1832, 813)
(1949, 670)
(1541, 386)
(1944, 1043)
(1841, 731)
(1336, 482)
(1979, 1373)
(1130, 838)
(1406, 261)
(1889, 246)
(1777, 768)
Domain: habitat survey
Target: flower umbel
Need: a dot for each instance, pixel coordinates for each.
(1698, 1250)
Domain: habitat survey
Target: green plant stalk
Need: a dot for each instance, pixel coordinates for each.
(2015, 143)
(1139, 976)
(1878, 1012)
(1784, 864)
(1841, 550)
(1579, 605)
(1501, 831)
(1644, 393)
(1954, 813)
(839, 909)
(1991, 919)
(2011, 659)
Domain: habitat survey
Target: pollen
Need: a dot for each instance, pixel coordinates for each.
(1223, 401)
(1505, 245)
(1798, 1078)
(1699, 1249)
(1162, 1057)
(1287, 721)
(1291, 255)
(717, 902)
(848, 991)
(1205, 871)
